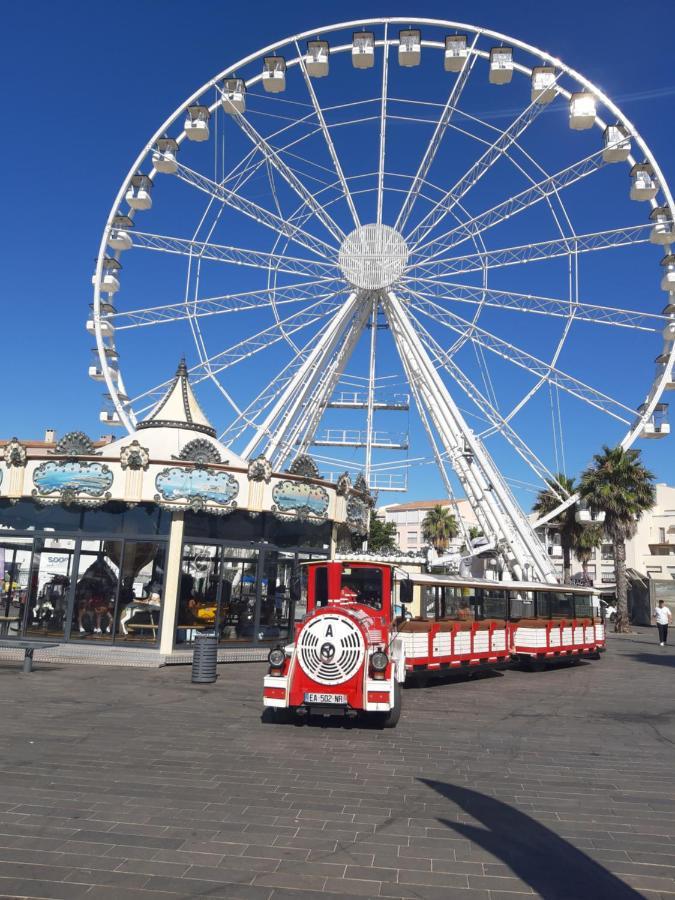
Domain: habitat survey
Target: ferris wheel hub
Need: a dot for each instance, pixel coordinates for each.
(373, 257)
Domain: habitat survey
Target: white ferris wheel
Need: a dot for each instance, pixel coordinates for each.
(395, 213)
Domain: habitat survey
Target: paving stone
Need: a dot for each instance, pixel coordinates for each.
(219, 809)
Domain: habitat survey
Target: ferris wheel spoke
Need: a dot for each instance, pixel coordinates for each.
(473, 175)
(327, 137)
(383, 124)
(224, 359)
(249, 416)
(254, 211)
(547, 306)
(288, 175)
(527, 253)
(515, 204)
(524, 360)
(492, 415)
(242, 350)
(290, 413)
(304, 432)
(238, 256)
(226, 303)
(437, 137)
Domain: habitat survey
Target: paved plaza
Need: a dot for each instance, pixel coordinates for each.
(133, 783)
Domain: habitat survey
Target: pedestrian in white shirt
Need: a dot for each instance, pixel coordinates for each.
(663, 618)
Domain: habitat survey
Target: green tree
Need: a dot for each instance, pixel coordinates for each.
(589, 538)
(565, 523)
(382, 535)
(439, 527)
(620, 485)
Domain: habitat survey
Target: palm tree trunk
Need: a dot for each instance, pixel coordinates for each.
(567, 565)
(622, 623)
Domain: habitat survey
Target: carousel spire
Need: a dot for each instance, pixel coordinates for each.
(179, 407)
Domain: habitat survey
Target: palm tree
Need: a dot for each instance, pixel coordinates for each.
(588, 539)
(565, 523)
(618, 483)
(439, 527)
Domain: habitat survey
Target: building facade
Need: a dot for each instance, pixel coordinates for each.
(408, 518)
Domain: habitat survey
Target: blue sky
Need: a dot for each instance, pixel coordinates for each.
(85, 87)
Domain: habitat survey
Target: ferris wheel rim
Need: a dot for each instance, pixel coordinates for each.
(657, 385)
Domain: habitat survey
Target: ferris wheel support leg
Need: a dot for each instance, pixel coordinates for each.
(500, 516)
(302, 381)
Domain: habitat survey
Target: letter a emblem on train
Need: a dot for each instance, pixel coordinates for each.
(329, 631)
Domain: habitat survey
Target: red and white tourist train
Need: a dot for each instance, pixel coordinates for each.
(368, 626)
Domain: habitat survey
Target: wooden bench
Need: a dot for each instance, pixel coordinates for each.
(143, 626)
(29, 647)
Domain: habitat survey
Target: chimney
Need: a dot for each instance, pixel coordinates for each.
(50, 436)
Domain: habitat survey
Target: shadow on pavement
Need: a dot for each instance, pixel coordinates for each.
(660, 657)
(552, 867)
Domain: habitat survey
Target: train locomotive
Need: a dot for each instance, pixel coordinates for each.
(369, 627)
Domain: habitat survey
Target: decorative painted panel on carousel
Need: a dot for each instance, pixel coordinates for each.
(300, 500)
(197, 488)
(72, 481)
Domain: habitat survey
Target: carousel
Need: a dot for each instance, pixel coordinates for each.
(161, 535)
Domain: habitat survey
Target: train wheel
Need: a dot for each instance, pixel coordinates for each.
(390, 719)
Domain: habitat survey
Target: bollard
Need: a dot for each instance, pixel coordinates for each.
(205, 659)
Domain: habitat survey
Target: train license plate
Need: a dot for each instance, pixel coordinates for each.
(338, 699)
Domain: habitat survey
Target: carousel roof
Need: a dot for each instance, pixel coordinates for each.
(177, 428)
(179, 408)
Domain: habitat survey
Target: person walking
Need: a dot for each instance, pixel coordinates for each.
(663, 617)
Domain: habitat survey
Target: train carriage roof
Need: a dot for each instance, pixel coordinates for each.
(422, 578)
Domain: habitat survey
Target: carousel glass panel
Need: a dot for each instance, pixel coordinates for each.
(48, 589)
(198, 592)
(96, 589)
(15, 556)
(278, 599)
(141, 592)
(113, 518)
(218, 593)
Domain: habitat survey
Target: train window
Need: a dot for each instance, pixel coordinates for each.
(489, 605)
(321, 586)
(431, 602)
(555, 605)
(362, 585)
(457, 604)
(521, 606)
(583, 606)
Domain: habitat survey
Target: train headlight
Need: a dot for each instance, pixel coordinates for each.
(276, 658)
(379, 661)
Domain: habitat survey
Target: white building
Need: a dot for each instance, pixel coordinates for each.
(408, 518)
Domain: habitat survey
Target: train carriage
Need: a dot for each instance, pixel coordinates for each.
(369, 626)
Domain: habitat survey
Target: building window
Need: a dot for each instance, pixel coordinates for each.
(662, 535)
(412, 538)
